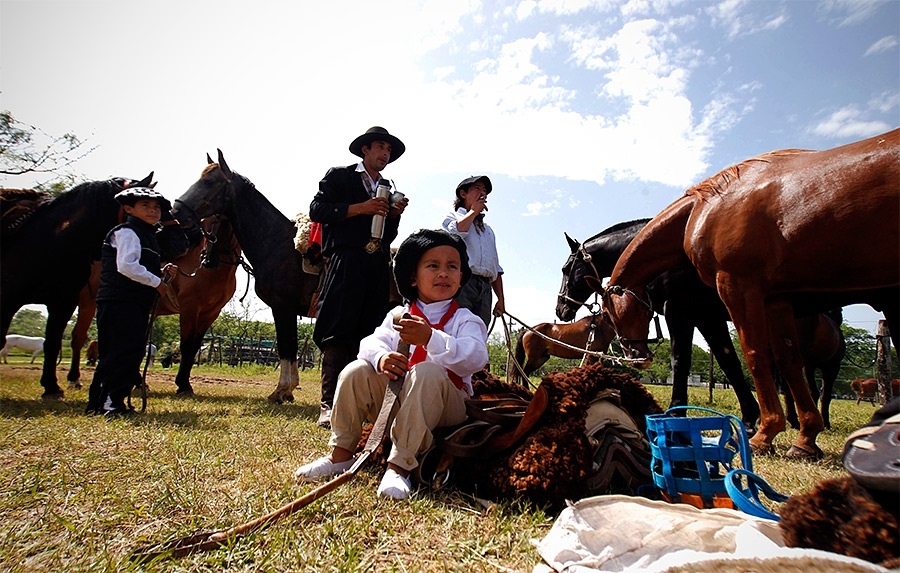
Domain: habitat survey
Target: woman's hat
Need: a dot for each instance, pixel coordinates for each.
(377, 133)
(131, 196)
(411, 250)
(469, 181)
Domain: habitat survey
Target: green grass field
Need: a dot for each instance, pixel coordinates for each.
(80, 493)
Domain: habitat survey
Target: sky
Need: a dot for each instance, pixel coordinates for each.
(584, 113)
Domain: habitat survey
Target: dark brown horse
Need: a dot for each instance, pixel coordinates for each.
(267, 238)
(203, 286)
(533, 350)
(47, 260)
(775, 233)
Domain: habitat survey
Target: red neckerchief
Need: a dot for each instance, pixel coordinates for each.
(420, 352)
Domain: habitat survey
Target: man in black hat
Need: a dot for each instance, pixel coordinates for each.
(467, 221)
(354, 296)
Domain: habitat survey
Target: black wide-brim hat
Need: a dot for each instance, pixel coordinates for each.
(411, 250)
(131, 195)
(377, 133)
(469, 181)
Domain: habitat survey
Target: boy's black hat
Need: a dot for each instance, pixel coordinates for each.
(411, 250)
(131, 196)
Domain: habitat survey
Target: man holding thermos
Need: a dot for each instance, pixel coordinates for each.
(359, 222)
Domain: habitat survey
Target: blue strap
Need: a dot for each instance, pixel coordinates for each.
(747, 500)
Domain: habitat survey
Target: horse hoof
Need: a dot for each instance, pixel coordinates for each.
(53, 395)
(184, 393)
(289, 398)
(75, 385)
(801, 453)
(764, 450)
(274, 398)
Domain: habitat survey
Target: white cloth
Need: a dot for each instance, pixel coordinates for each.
(461, 347)
(623, 534)
(367, 179)
(480, 247)
(128, 257)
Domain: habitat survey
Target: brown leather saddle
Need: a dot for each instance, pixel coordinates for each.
(17, 206)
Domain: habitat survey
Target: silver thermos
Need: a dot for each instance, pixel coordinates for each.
(383, 190)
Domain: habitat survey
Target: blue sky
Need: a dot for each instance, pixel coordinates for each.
(584, 113)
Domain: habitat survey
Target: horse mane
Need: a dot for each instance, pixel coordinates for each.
(618, 227)
(719, 182)
(92, 191)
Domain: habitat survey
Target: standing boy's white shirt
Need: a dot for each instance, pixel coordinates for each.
(461, 347)
(481, 248)
(128, 257)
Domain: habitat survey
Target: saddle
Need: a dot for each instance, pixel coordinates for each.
(308, 241)
(17, 206)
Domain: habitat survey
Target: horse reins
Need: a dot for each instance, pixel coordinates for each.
(622, 291)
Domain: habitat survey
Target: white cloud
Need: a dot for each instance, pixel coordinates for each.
(538, 208)
(882, 45)
(848, 12)
(849, 123)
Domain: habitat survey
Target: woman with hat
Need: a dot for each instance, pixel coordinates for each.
(130, 280)
(467, 221)
(355, 290)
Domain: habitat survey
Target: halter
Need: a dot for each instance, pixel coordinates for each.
(622, 291)
(586, 257)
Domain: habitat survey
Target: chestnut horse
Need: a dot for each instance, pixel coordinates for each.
(777, 232)
(267, 238)
(203, 286)
(533, 350)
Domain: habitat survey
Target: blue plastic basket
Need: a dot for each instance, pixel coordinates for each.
(692, 455)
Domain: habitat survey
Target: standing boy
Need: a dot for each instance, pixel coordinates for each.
(448, 345)
(130, 281)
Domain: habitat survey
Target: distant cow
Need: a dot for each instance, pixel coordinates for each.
(92, 354)
(32, 344)
(868, 387)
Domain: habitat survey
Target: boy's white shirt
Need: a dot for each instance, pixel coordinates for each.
(128, 257)
(461, 347)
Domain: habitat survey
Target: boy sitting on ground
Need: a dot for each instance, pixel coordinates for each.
(448, 345)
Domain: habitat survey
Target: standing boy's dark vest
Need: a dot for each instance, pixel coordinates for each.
(116, 286)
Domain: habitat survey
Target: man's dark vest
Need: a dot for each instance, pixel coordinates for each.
(116, 286)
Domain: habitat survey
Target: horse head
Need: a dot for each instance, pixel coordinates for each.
(212, 194)
(630, 313)
(575, 289)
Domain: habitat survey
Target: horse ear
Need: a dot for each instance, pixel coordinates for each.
(573, 244)
(146, 181)
(222, 165)
(209, 159)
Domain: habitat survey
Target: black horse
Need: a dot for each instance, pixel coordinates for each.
(688, 303)
(267, 238)
(47, 260)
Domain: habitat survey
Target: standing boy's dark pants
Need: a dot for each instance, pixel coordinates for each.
(121, 332)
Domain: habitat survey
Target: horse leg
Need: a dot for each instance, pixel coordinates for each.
(57, 317)
(716, 334)
(681, 334)
(87, 306)
(191, 340)
(744, 307)
(786, 349)
(289, 376)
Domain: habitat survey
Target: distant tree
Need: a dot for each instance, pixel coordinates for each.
(28, 322)
(28, 149)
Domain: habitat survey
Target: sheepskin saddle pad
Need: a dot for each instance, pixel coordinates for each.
(581, 433)
(17, 206)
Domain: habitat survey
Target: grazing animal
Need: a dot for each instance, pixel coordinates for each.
(205, 283)
(267, 238)
(92, 353)
(867, 388)
(32, 344)
(774, 233)
(533, 350)
(47, 260)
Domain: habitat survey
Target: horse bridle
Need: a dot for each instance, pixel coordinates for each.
(619, 290)
(593, 307)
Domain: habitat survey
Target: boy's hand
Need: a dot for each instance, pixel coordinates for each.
(414, 330)
(168, 272)
(394, 365)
